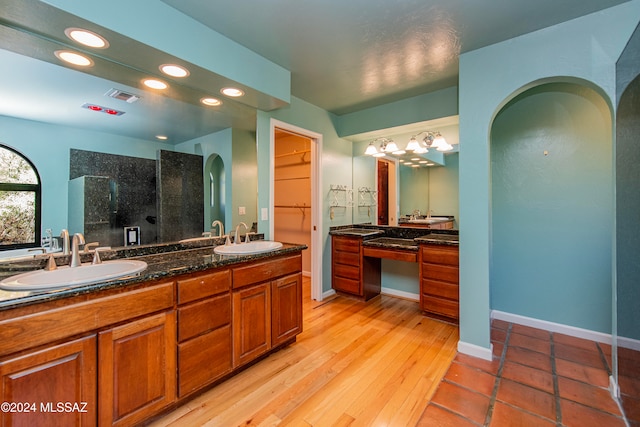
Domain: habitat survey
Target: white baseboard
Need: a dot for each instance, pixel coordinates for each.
(476, 350)
(552, 327)
(328, 294)
(629, 343)
(400, 294)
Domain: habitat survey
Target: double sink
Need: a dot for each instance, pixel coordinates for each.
(66, 277)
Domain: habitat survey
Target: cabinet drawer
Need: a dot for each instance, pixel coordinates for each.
(348, 271)
(443, 307)
(263, 271)
(346, 245)
(440, 255)
(197, 287)
(346, 285)
(440, 272)
(440, 289)
(203, 359)
(203, 316)
(347, 258)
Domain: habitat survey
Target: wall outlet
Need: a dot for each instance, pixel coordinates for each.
(242, 210)
(264, 212)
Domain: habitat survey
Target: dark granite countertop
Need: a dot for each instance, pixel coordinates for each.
(392, 243)
(163, 261)
(403, 237)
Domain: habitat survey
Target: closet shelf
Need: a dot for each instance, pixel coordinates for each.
(292, 179)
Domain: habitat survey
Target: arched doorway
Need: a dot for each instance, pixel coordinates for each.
(552, 206)
(215, 197)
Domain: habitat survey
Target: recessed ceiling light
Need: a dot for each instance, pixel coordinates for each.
(162, 137)
(415, 166)
(174, 70)
(415, 159)
(155, 84)
(423, 162)
(73, 58)
(213, 102)
(87, 38)
(232, 91)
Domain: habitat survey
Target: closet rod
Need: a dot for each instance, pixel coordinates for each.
(293, 153)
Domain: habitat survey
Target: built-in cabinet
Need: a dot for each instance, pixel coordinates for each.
(351, 272)
(137, 362)
(355, 271)
(439, 281)
(124, 356)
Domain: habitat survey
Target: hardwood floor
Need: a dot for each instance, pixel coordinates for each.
(356, 363)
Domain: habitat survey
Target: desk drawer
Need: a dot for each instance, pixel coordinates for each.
(440, 289)
(347, 271)
(440, 255)
(346, 258)
(346, 285)
(346, 245)
(443, 273)
(440, 306)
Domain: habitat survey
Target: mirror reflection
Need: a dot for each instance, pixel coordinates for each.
(77, 149)
(407, 186)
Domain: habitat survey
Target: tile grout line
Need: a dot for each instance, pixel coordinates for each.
(556, 386)
(494, 393)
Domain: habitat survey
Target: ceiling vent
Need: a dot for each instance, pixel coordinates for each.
(122, 95)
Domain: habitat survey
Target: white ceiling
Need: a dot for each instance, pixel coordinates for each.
(343, 56)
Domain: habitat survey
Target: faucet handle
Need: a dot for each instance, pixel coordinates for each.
(51, 263)
(246, 236)
(87, 246)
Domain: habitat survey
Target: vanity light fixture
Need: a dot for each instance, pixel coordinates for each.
(73, 58)
(387, 146)
(232, 92)
(87, 38)
(155, 84)
(211, 102)
(432, 139)
(174, 70)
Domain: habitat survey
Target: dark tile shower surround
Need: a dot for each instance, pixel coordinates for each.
(163, 197)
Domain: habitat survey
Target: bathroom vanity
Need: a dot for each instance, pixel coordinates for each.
(122, 351)
(356, 263)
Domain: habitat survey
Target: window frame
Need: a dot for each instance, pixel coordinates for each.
(33, 188)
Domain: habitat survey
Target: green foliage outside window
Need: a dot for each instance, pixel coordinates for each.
(19, 191)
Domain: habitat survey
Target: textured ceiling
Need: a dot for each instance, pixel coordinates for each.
(344, 56)
(348, 55)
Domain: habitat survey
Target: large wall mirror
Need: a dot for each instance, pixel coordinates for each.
(51, 111)
(420, 183)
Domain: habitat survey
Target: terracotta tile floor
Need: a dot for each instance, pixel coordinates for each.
(536, 378)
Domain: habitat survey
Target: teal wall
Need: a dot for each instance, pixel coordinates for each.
(584, 49)
(552, 215)
(47, 146)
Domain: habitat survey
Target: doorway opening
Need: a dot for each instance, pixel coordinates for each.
(294, 186)
(214, 190)
(387, 187)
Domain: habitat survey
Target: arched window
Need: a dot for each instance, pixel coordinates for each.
(19, 201)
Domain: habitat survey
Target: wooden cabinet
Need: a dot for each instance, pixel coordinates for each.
(439, 278)
(286, 308)
(37, 381)
(253, 311)
(136, 369)
(351, 272)
(251, 323)
(204, 330)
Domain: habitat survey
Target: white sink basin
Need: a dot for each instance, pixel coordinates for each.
(429, 220)
(253, 247)
(65, 277)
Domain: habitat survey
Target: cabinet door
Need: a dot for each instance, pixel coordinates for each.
(251, 322)
(137, 369)
(38, 381)
(286, 308)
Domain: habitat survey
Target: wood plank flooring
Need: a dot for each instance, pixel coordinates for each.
(358, 364)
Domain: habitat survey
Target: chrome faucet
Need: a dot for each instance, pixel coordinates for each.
(78, 239)
(220, 227)
(64, 235)
(235, 237)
